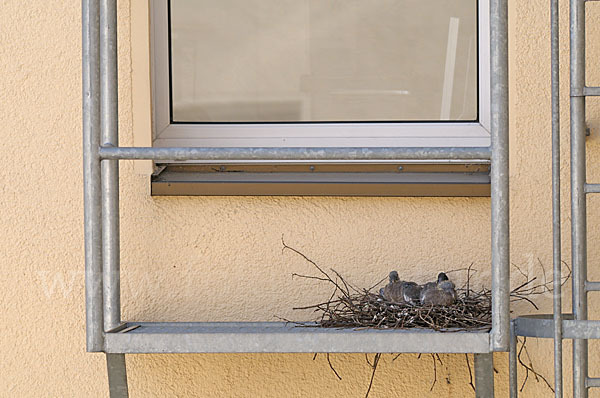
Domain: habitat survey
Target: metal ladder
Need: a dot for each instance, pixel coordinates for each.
(107, 333)
(574, 326)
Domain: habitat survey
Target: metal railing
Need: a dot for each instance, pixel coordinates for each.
(101, 155)
(575, 326)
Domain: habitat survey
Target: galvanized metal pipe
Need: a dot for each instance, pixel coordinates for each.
(579, 244)
(484, 375)
(578, 196)
(592, 286)
(91, 175)
(295, 153)
(592, 382)
(591, 91)
(592, 188)
(556, 224)
(499, 176)
(512, 362)
(110, 168)
(117, 375)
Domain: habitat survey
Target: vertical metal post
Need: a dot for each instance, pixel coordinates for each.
(499, 176)
(578, 198)
(484, 375)
(91, 175)
(117, 375)
(556, 227)
(512, 362)
(109, 123)
(110, 168)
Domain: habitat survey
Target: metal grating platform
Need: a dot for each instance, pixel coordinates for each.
(279, 337)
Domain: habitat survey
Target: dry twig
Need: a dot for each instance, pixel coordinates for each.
(529, 368)
(470, 372)
(374, 366)
(332, 368)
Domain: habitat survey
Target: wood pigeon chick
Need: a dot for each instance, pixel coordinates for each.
(393, 290)
(401, 292)
(411, 292)
(438, 293)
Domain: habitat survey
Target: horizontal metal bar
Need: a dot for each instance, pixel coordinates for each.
(581, 329)
(542, 326)
(591, 91)
(539, 325)
(592, 381)
(592, 188)
(296, 153)
(592, 286)
(279, 337)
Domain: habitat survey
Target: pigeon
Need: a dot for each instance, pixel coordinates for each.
(401, 292)
(438, 293)
(411, 292)
(392, 291)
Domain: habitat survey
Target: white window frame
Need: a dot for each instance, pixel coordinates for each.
(363, 134)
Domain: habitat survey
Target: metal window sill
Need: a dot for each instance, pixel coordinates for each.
(414, 179)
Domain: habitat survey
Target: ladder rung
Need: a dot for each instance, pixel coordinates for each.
(592, 188)
(592, 286)
(592, 381)
(591, 91)
(581, 329)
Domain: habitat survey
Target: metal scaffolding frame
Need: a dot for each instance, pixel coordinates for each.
(576, 325)
(107, 333)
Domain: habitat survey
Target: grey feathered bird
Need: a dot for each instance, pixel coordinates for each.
(438, 293)
(401, 292)
(393, 290)
(411, 292)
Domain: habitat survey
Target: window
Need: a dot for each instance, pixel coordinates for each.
(320, 73)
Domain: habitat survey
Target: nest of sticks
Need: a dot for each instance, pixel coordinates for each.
(353, 307)
(470, 311)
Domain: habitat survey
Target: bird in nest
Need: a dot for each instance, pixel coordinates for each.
(440, 293)
(401, 292)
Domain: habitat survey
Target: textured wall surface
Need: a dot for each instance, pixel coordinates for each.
(220, 258)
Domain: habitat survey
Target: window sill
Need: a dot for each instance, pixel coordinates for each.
(413, 179)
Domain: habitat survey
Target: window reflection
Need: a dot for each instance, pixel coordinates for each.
(323, 60)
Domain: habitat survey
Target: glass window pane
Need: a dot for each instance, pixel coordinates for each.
(323, 60)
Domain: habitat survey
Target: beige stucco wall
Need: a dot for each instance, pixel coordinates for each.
(220, 258)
